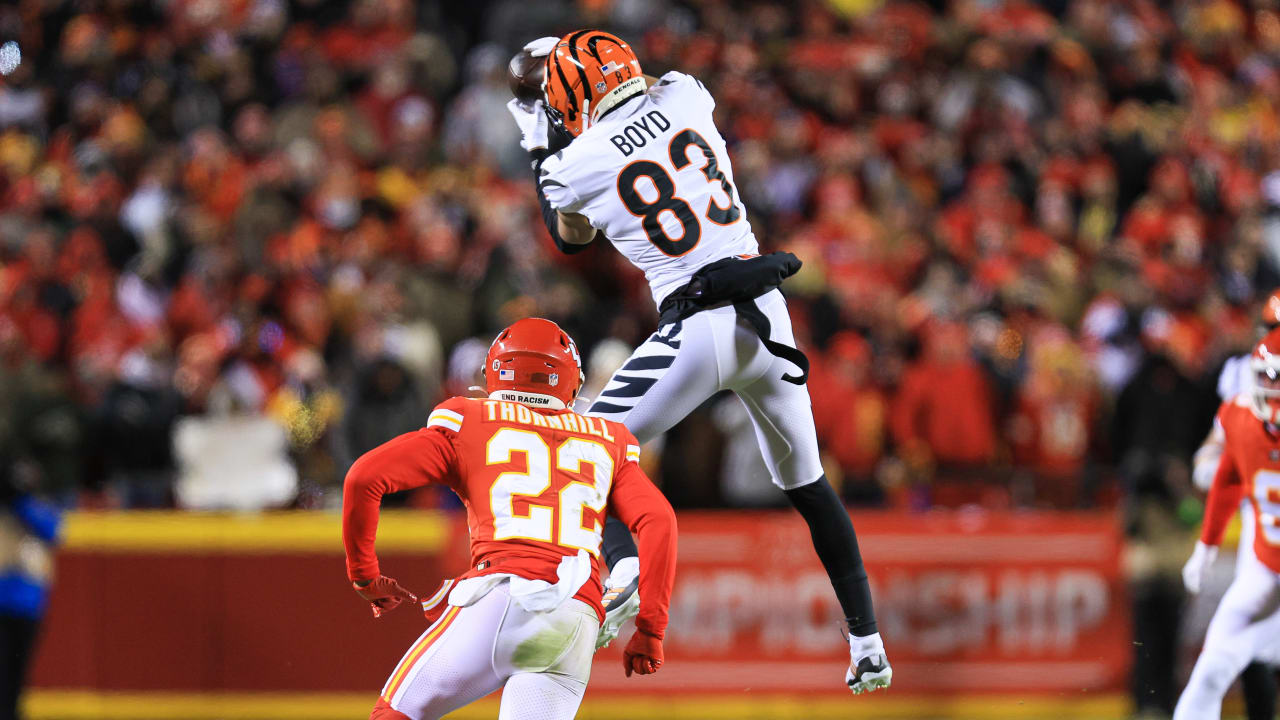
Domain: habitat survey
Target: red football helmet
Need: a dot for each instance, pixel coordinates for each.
(534, 362)
(1270, 315)
(1265, 393)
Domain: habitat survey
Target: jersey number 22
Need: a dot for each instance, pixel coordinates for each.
(574, 496)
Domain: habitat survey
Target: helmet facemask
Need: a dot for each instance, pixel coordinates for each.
(1265, 393)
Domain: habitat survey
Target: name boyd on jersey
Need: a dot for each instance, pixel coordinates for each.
(631, 137)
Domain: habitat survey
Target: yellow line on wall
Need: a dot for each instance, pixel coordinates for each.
(303, 531)
(84, 705)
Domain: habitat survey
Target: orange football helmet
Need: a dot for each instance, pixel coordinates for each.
(587, 74)
(534, 362)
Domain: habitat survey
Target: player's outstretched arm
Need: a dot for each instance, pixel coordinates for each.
(406, 462)
(1224, 498)
(649, 516)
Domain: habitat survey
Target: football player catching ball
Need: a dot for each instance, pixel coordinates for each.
(639, 160)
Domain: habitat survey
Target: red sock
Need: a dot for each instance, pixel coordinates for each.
(384, 711)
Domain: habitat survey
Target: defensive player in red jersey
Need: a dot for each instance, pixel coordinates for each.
(537, 480)
(1246, 625)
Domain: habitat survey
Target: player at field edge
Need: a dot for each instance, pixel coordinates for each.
(639, 160)
(1257, 680)
(537, 480)
(1246, 626)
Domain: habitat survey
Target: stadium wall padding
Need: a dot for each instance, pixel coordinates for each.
(205, 605)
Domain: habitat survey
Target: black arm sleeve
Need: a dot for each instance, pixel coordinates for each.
(550, 215)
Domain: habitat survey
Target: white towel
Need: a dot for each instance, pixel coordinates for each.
(532, 595)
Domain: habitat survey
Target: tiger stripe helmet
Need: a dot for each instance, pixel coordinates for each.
(587, 74)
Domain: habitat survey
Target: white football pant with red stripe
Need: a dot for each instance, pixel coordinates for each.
(541, 660)
(1245, 628)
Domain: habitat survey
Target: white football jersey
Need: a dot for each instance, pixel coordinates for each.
(655, 177)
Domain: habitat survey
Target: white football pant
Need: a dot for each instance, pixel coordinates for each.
(541, 660)
(683, 364)
(1245, 628)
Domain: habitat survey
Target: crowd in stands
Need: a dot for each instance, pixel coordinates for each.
(254, 239)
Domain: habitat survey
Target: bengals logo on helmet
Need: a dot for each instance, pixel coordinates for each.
(588, 74)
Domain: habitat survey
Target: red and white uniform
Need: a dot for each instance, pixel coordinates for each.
(1249, 470)
(537, 484)
(1246, 626)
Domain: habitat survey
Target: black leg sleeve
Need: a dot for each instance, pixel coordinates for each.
(1259, 684)
(617, 542)
(837, 547)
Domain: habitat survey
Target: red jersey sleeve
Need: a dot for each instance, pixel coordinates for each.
(1226, 491)
(410, 461)
(644, 510)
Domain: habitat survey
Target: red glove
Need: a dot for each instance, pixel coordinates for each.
(384, 593)
(643, 654)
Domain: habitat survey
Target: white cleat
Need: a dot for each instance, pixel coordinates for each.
(869, 665)
(621, 600)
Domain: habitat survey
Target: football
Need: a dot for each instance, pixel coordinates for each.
(524, 74)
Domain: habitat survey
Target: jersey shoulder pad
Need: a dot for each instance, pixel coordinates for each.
(681, 89)
(626, 441)
(451, 414)
(555, 179)
(1235, 414)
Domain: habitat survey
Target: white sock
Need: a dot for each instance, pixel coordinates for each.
(860, 647)
(624, 572)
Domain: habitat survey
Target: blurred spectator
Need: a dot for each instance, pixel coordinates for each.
(1053, 426)
(385, 404)
(851, 415)
(204, 208)
(29, 527)
(41, 428)
(1160, 417)
(133, 425)
(942, 413)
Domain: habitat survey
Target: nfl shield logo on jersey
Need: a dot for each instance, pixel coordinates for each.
(554, 379)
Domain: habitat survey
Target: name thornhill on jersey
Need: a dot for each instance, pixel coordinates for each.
(631, 136)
